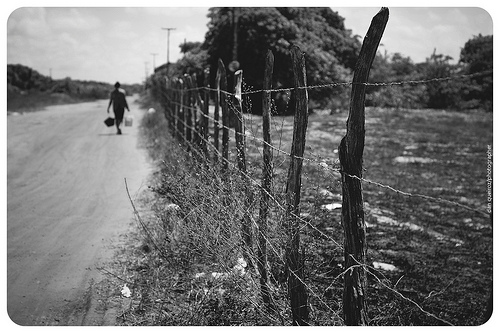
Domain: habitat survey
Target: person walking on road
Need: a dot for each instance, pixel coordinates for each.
(117, 98)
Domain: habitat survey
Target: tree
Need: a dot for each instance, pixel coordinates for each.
(329, 48)
(395, 68)
(477, 56)
(444, 94)
(193, 61)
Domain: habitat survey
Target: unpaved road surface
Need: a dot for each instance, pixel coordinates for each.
(66, 205)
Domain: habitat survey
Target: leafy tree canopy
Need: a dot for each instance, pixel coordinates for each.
(331, 54)
(330, 50)
(477, 56)
(460, 94)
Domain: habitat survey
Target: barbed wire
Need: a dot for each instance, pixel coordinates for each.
(321, 163)
(346, 84)
(325, 166)
(280, 206)
(270, 243)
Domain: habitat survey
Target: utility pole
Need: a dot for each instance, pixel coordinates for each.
(168, 43)
(235, 33)
(154, 63)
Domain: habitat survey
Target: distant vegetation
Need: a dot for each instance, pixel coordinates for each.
(331, 51)
(28, 90)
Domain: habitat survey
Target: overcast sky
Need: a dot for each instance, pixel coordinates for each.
(117, 44)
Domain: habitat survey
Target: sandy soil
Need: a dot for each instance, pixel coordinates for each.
(66, 206)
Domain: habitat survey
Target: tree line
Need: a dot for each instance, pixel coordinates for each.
(241, 37)
(26, 86)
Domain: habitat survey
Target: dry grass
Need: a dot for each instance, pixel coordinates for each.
(443, 254)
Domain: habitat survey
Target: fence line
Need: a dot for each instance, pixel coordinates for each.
(280, 206)
(306, 223)
(283, 208)
(181, 100)
(272, 247)
(323, 165)
(367, 268)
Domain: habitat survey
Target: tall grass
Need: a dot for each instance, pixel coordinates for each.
(198, 209)
(197, 266)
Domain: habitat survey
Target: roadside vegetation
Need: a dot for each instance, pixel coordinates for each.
(440, 257)
(429, 259)
(331, 51)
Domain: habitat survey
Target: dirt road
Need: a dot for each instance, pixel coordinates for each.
(66, 204)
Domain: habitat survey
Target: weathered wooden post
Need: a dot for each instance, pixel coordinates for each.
(188, 109)
(239, 124)
(295, 269)
(351, 168)
(182, 115)
(267, 174)
(171, 86)
(166, 99)
(216, 115)
(225, 115)
(196, 101)
(177, 112)
(246, 226)
(206, 101)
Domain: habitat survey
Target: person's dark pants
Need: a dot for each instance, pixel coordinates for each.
(118, 116)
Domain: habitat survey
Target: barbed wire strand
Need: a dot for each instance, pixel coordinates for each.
(276, 252)
(347, 84)
(321, 163)
(234, 167)
(253, 137)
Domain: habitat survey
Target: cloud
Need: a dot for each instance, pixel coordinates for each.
(108, 44)
(74, 19)
(416, 31)
(179, 12)
(29, 22)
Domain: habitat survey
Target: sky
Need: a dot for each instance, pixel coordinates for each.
(123, 44)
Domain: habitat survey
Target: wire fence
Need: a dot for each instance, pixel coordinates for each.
(224, 195)
(347, 84)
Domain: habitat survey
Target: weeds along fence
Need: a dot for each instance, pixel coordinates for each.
(260, 207)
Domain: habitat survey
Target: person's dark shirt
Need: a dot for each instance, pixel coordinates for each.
(117, 96)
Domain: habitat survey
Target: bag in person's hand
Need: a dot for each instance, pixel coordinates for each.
(129, 120)
(109, 121)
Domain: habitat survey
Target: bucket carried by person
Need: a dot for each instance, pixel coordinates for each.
(129, 120)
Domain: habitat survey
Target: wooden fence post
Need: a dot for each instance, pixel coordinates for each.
(239, 124)
(295, 269)
(188, 109)
(216, 115)
(225, 115)
(179, 114)
(246, 226)
(351, 168)
(172, 106)
(267, 174)
(182, 115)
(166, 100)
(196, 100)
(206, 101)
